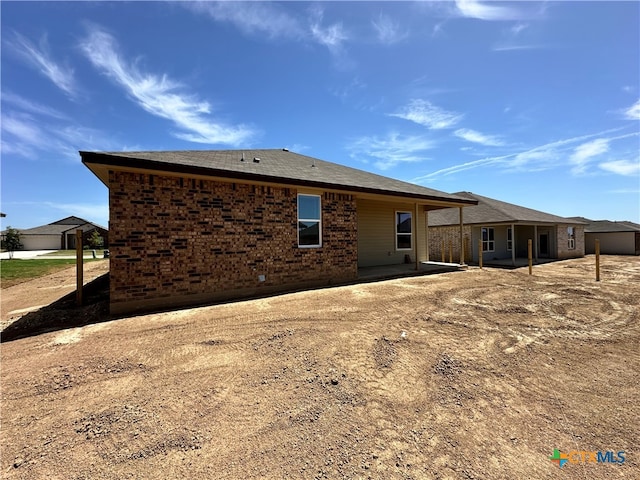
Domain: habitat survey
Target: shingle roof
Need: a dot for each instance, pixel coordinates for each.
(61, 226)
(489, 210)
(607, 226)
(273, 165)
(50, 229)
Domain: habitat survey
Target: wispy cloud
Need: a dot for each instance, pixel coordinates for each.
(425, 113)
(391, 150)
(252, 18)
(268, 19)
(581, 150)
(388, 31)
(622, 167)
(477, 137)
(584, 153)
(518, 28)
(633, 112)
(30, 106)
(333, 37)
(161, 96)
(484, 11)
(36, 137)
(40, 58)
(515, 38)
(514, 47)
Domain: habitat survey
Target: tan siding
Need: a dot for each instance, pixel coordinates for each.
(41, 242)
(616, 243)
(376, 233)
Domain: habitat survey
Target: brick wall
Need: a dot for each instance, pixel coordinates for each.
(450, 235)
(178, 241)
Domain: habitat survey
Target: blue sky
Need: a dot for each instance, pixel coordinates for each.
(534, 103)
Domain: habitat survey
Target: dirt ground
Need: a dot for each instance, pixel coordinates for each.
(21, 299)
(469, 375)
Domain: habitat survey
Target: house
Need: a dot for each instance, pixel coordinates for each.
(60, 235)
(504, 230)
(190, 227)
(616, 238)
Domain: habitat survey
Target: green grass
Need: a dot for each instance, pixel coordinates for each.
(13, 272)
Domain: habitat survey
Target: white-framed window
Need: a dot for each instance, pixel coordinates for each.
(309, 221)
(509, 239)
(488, 239)
(571, 238)
(403, 231)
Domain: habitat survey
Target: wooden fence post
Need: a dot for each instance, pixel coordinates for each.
(480, 252)
(529, 255)
(79, 268)
(597, 259)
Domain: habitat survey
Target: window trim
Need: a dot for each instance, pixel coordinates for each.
(571, 238)
(395, 229)
(488, 242)
(319, 220)
(509, 240)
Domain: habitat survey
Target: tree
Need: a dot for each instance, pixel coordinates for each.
(12, 241)
(95, 240)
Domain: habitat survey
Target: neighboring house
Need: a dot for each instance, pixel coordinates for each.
(60, 235)
(192, 227)
(616, 238)
(504, 229)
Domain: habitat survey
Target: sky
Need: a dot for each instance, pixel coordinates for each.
(533, 103)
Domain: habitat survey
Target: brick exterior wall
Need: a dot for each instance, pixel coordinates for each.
(563, 241)
(449, 235)
(179, 241)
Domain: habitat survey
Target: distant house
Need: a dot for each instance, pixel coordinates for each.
(504, 230)
(193, 227)
(60, 235)
(616, 238)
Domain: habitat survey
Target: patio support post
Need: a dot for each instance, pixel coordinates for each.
(416, 242)
(513, 245)
(535, 242)
(426, 229)
(461, 239)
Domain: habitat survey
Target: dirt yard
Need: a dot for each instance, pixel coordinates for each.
(470, 375)
(21, 299)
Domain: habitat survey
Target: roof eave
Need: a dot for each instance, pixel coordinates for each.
(110, 160)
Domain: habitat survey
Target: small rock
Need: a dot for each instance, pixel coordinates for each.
(18, 462)
(334, 381)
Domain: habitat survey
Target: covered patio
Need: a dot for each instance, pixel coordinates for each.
(407, 270)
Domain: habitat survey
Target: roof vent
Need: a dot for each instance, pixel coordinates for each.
(256, 160)
(285, 149)
(242, 158)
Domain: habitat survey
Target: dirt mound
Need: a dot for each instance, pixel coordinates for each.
(476, 374)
